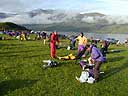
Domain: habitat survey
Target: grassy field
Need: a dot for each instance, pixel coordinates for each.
(21, 72)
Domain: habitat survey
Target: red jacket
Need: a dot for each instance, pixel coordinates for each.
(54, 38)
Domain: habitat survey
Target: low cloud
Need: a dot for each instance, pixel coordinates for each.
(65, 16)
(109, 19)
(117, 19)
(25, 18)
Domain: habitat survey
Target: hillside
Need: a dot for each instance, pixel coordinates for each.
(64, 26)
(80, 26)
(11, 26)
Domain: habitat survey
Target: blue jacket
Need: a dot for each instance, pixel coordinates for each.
(96, 54)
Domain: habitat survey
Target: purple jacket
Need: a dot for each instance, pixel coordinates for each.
(96, 54)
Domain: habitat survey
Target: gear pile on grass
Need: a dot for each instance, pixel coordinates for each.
(50, 63)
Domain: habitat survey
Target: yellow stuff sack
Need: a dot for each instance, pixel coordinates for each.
(69, 57)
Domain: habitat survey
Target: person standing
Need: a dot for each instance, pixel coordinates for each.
(104, 47)
(22, 36)
(72, 42)
(44, 36)
(82, 42)
(53, 39)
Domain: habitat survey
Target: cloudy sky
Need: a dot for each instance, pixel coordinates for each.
(109, 7)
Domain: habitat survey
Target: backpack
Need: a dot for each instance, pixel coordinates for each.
(85, 77)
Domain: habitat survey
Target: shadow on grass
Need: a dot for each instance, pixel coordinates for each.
(20, 51)
(113, 59)
(4, 45)
(113, 71)
(11, 85)
(10, 44)
(115, 51)
(32, 56)
(23, 56)
(15, 46)
(9, 55)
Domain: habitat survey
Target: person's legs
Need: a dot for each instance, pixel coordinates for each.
(96, 69)
(52, 50)
(80, 48)
(44, 41)
(81, 52)
(73, 44)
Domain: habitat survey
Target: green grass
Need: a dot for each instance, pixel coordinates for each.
(21, 72)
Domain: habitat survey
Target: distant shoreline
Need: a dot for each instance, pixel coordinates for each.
(122, 37)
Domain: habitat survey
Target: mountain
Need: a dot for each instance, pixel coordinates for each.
(6, 15)
(11, 26)
(62, 20)
(3, 15)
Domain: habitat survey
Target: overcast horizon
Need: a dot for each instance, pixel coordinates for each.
(108, 7)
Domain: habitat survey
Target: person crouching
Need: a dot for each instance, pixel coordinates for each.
(97, 58)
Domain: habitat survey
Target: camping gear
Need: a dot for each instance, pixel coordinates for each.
(85, 77)
(87, 68)
(68, 57)
(84, 65)
(68, 48)
(115, 50)
(87, 74)
(50, 63)
(90, 80)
